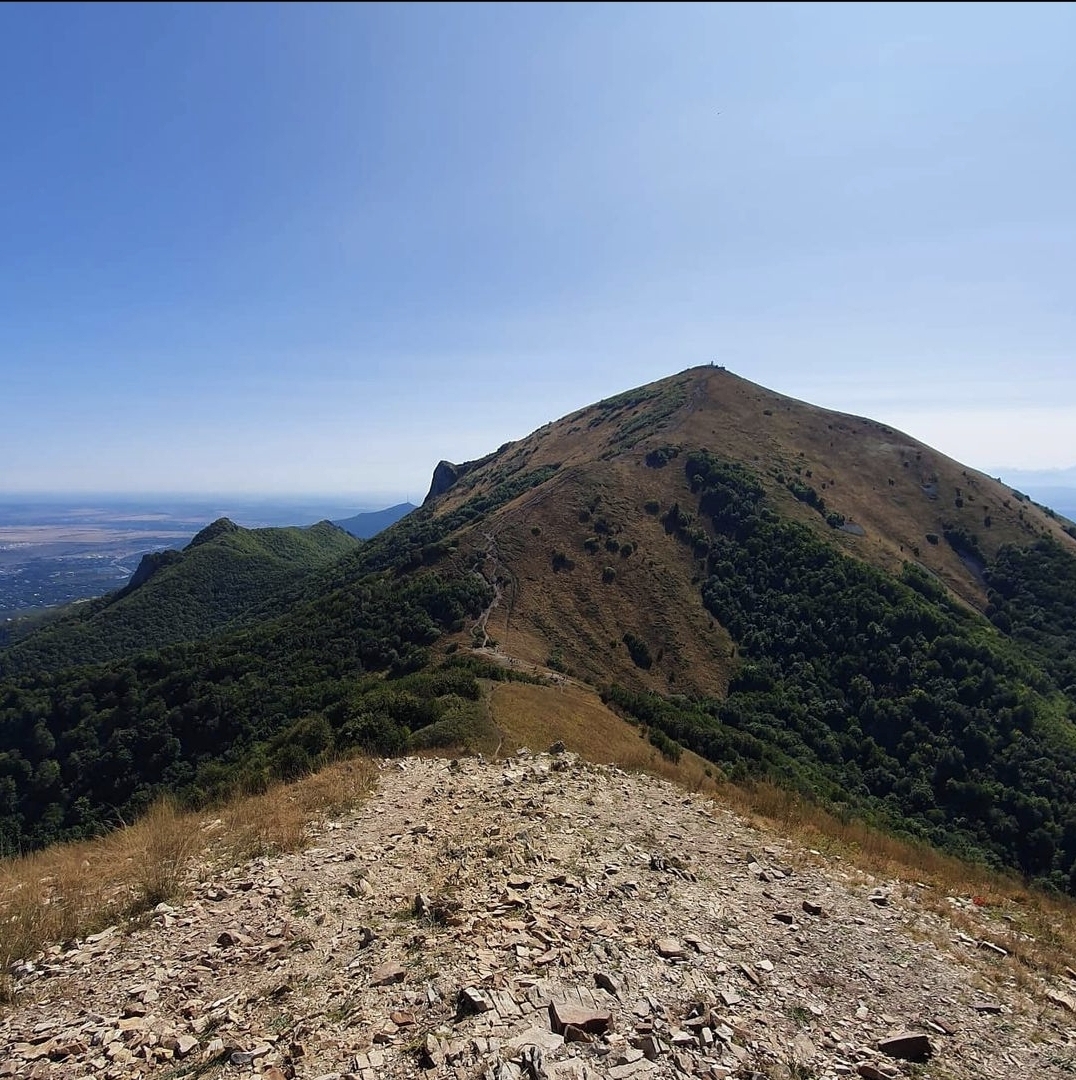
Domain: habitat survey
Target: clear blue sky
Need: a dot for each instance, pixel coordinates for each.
(318, 248)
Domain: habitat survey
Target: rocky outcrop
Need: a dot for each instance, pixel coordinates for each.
(532, 918)
(444, 476)
(151, 564)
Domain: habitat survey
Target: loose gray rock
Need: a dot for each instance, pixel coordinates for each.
(387, 974)
(670, 949)
(535, 893)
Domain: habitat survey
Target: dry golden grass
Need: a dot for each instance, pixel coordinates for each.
(536, 716)
(277, 820)
(71, 890)
(897, 489)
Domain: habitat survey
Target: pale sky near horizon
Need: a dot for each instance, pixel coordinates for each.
(317, 248)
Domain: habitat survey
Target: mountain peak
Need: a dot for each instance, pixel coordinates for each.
(220, 527)
(790, 591)
(369, 523)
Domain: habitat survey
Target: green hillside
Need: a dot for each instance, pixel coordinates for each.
(87, 748)
(84, 748)
(882, 696)
(224, 577)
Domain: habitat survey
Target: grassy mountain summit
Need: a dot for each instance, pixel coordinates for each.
(859, 487)
(788, 591)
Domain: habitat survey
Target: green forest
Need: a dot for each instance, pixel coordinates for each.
(883, 696)
(86, 749)
(225, 577)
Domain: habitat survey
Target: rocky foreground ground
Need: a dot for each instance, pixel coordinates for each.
(539, 917)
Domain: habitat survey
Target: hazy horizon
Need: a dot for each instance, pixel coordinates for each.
(1046, 480)
(66, 498)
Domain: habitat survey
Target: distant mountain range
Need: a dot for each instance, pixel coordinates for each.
(795, 594)
(372, 522)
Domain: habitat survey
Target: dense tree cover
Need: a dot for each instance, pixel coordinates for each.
(881, 694)
(86, 748)
(1032, 594)
(224, 577)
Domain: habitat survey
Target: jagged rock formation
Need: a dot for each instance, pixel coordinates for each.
(444, 476)
(537, 917)
(150, 564)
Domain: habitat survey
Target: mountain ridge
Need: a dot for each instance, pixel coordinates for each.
(370, 523)
(223, 576)
(472, 909)
(795, 593)
(904, 522)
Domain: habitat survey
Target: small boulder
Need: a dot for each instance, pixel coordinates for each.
(471, 1001)
(670, 949)
(563, 1014)
(611, 984)
(870, 1071)
(387, 974)
(907, 1045)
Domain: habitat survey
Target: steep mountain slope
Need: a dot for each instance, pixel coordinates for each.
(619, 469)
(372, 522)
(788, 591)
(223, 576)
(816, 584)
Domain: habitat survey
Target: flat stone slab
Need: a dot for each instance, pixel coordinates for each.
(907, 1045)
(537, 1036)
(670, 949)
(563, 1014)
(387, 974)
(641, 1067)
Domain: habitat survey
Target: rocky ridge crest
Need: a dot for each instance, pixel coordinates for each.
(544, 918)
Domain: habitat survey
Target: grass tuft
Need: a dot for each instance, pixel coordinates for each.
(159, 850)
